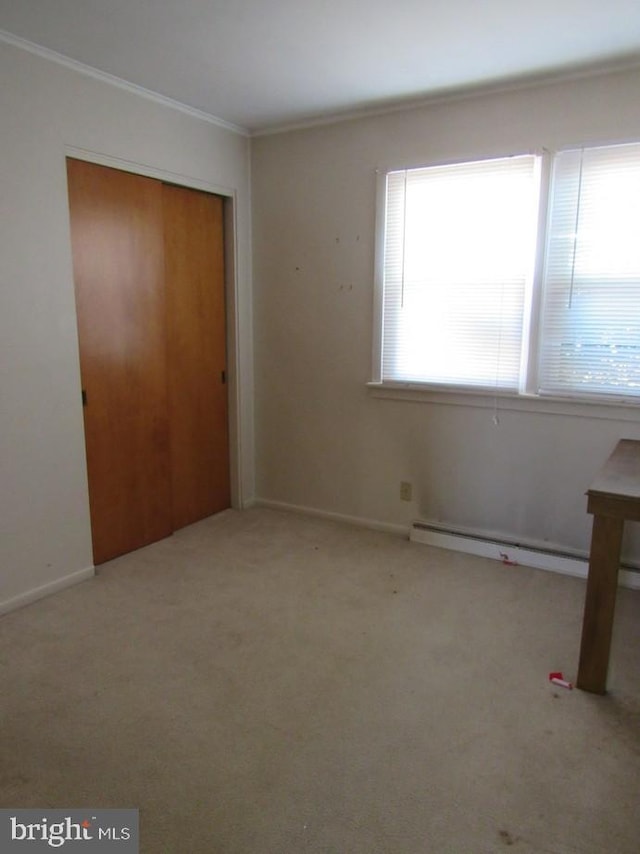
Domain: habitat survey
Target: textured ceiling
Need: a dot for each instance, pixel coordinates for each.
(260, 64)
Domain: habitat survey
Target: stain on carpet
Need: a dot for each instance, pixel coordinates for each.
(508, 838)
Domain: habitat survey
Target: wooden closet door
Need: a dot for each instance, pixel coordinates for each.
(118, 262)
(198, 410)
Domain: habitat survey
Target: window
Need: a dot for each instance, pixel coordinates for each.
(475, 295)
(590, 341)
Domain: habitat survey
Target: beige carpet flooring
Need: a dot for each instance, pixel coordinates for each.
(266, 683)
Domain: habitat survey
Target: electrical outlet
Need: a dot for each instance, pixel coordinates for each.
(405, 491)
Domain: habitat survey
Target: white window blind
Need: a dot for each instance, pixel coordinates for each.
(590, 335)
(458, 261)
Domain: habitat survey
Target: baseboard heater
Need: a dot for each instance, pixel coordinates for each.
(512, 553)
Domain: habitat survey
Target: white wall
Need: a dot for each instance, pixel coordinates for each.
(322, 440)
(47, 108)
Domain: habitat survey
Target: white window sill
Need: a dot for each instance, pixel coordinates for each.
(507, 402)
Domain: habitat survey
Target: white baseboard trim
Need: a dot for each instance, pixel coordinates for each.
(46, 590)
(512, 554)
(482, 545)
(359, 521)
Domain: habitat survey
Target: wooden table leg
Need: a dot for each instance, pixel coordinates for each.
(597, 622)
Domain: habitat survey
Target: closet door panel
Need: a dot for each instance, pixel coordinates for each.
(198, 409)
(118, 262)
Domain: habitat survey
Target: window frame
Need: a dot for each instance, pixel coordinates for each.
(527, 397)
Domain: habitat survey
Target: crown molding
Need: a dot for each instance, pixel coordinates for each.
(463, 93)
(105, 77)
(394, 105)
